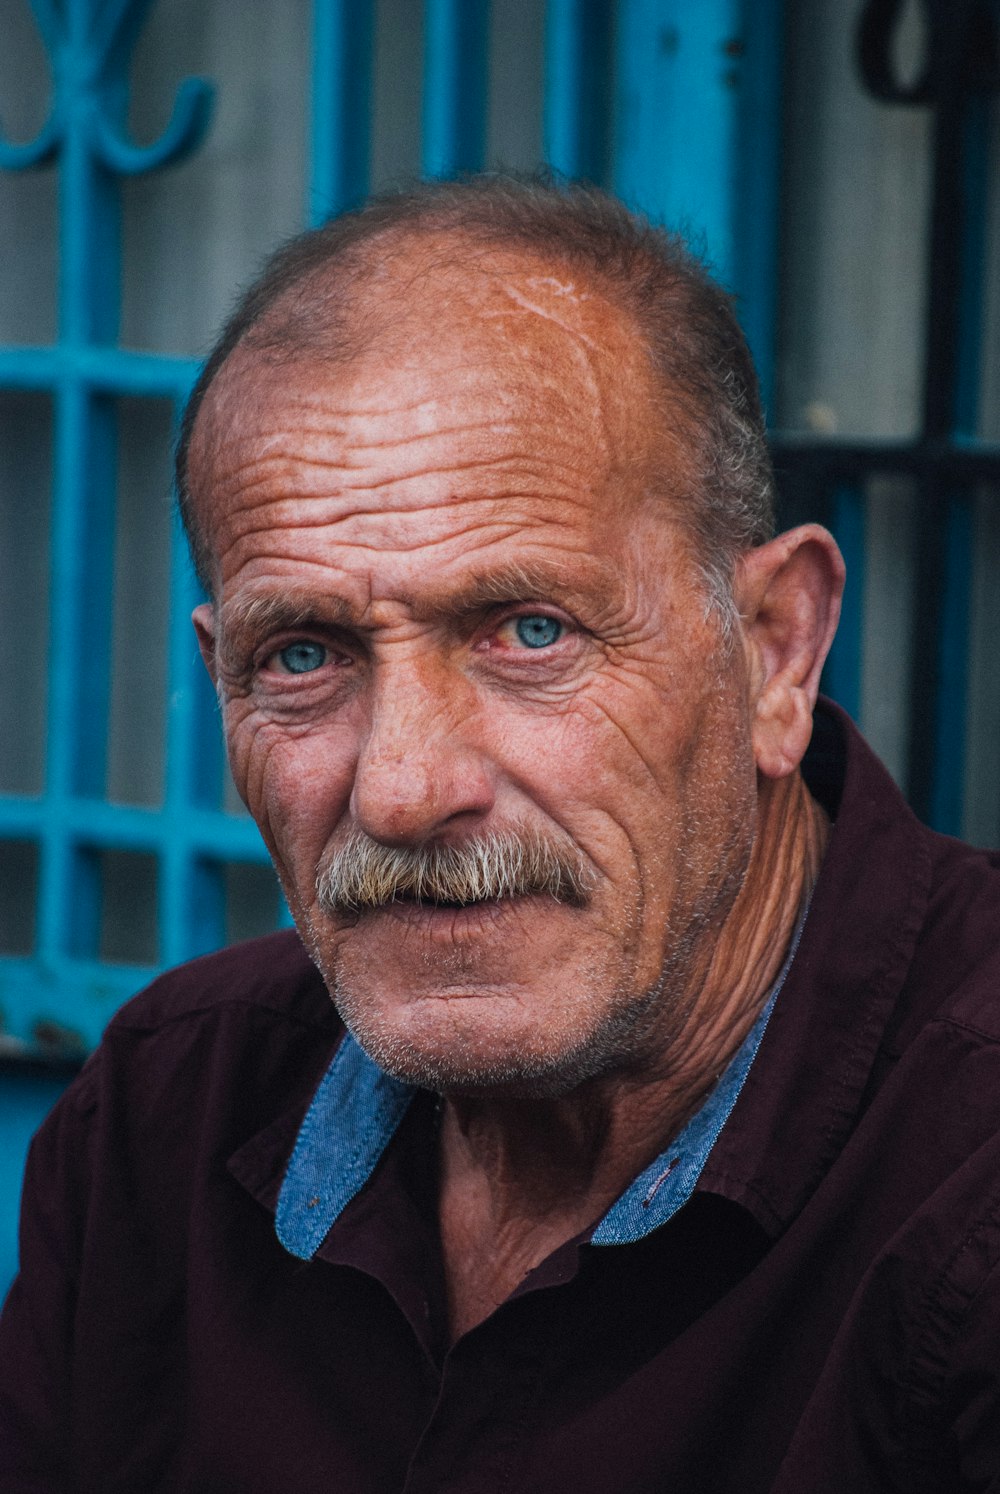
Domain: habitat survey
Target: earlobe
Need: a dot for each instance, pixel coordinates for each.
(203, 618)
(788, 592)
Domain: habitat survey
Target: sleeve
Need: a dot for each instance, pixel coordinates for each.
(36, 1324)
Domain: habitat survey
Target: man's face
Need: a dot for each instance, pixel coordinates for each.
(449, 605)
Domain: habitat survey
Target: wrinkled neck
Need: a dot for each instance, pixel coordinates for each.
(520, 1177)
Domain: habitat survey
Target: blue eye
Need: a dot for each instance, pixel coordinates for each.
(302, 657)
(538, 631)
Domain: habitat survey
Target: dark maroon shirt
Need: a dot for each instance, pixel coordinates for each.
(822, 1315)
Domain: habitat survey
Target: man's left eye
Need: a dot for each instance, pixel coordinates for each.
(535, 630)
(301, 657)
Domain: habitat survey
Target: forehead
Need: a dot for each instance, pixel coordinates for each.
(531, 319)
(496, 377)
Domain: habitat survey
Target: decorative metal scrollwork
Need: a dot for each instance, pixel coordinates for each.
(961, 35)
(90, 44)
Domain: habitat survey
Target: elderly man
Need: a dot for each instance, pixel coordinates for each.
(649, 1139)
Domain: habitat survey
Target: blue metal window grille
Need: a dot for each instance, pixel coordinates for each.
(946, 459)
(608, 71)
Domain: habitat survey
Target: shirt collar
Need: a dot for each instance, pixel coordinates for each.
(353, 1117)
(357, 1109)
(801, 1102)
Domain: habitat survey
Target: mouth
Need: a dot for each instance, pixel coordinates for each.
(410, 900)
(442, 915)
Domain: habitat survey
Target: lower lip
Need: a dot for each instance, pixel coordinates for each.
(451, 922)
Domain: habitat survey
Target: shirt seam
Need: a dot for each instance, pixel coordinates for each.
(960, 1025)
(927, 1368)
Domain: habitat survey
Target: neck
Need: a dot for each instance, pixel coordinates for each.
(519, 1177)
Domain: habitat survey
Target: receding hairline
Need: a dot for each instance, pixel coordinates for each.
(310, 300)
(267, 377)
(334, 316)
(406, 262)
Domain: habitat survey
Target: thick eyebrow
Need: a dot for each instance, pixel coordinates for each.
(245, 620)
(518, 581)
(511, 583)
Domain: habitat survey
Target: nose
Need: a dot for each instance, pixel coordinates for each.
(421, 770)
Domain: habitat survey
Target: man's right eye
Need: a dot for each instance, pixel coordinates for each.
(300, 657)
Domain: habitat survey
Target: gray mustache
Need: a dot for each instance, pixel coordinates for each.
(363, 873)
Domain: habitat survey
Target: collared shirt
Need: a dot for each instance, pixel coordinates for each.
(331, 1162)
(821, 1314)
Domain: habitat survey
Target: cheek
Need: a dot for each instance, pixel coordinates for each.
(656, 754)
(604, 770)
(624, 740)
(295, 784)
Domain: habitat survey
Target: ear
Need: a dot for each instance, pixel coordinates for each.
(203, 618)
(788, 593)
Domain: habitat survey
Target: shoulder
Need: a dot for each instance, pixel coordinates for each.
(954, 978)
(270, 975)
(908, 917)
(220, 1044)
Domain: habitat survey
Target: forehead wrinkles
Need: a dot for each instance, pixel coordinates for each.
(459, 533)
(499, 380)
(351, 453)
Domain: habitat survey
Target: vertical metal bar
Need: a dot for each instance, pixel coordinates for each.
(973, 259)
(928, 618)
(89, 212)
(86, 477)
(47, 22)
(951, 776)
(677, 118)
(341, 113)
(842, 675)
(576, 123)
(78, 312)
(951, 367)
(454, 124)
(194, 751)
(82, 570)
(193, 759)
(82, 528)
(79, 658)
(82, 899)
(951, 667)
(947, 226)
(757, 191)
(206, 922)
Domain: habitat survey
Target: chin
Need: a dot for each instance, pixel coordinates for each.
(485, 1058)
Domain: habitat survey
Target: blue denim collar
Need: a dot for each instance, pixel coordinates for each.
(357, 1109)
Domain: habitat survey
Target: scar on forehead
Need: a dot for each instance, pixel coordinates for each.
(566, 290)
